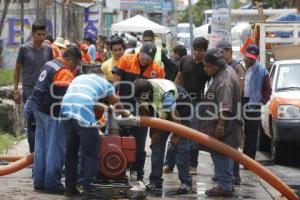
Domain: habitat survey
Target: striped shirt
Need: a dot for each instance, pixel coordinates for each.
(82, 95)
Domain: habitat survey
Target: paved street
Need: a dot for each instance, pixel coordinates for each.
(18, 186)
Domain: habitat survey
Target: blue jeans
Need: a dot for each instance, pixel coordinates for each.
(181, 159)
(140, 134)
(223, 167)
(30, 123)
(170, 156)
(88, 140)
(194, 146)
(49, 155)
(194, 153)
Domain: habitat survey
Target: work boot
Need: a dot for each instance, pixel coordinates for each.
(184, 189)
(151, 187)
(237, 181)
(214, 178)
(72, 192)
(193, 170)
(168, 170)
(219, 192)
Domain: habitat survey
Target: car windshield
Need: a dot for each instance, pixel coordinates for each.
(288, 77)
(183, 29)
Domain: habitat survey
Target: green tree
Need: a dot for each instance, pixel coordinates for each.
(197, 9)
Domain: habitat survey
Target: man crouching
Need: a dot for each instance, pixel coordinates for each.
(164, 99)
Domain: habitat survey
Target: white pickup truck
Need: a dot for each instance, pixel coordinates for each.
(280, 117)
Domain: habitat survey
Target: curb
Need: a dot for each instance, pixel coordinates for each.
(271, 191)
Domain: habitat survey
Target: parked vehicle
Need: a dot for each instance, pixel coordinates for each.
(184, 28)
(280, 117)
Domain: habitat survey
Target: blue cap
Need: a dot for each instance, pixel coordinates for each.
(252, 51)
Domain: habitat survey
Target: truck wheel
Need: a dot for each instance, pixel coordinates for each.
(277, 152)
(263, 140)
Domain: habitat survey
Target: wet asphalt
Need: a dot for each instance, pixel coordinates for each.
(18, 186)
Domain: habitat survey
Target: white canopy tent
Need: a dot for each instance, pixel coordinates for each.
(202, 31)
(138, 23)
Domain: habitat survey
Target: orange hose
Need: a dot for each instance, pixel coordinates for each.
(220, 147)
(194, 135)
(10, 158)
(18, 165)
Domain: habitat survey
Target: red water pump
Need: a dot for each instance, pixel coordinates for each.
(116, 153)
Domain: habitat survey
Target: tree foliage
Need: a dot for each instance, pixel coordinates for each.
(197, 10)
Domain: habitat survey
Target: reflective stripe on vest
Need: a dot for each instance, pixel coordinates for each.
(160, 87)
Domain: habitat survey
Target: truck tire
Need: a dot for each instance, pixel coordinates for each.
(263, 140)
(277, 152)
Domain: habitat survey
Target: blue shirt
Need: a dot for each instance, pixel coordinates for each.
(92, 52)
(248, 75)
(169, 102)
(82, 95)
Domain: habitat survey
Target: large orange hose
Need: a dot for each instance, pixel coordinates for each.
(194, 135)
(220, 147)
(16, 166)
(10, 158)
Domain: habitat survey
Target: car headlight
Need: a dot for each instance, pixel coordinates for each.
(288, 112)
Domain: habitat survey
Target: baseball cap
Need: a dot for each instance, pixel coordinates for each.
(224, 44)
(149, 48)
(252, 51)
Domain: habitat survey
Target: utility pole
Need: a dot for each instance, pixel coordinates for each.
(3, 16)
(41, 6)
(221, 22)
(63, 31)
(55, 19)
(22, 21)
(191, 24)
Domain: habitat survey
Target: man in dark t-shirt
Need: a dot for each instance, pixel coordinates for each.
(31, 58)
(192, 78)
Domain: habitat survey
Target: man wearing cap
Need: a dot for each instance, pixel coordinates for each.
(240, 70)
(237, 65)
(163, 99)
(128, 69)
(160, 56)
(219, 120)
(257, 91)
